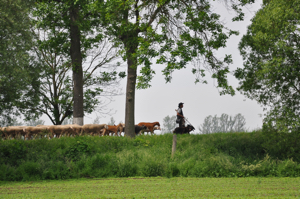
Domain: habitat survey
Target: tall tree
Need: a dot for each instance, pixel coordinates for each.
(69, 35)
(18, 74)
(271, 72)
(56, 91)
(174, 32)
(71, 15)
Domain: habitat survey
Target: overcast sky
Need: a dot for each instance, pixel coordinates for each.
(200, 100)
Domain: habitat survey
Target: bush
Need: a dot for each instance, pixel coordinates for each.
(281, 145)
(12, 151)
(30, 171)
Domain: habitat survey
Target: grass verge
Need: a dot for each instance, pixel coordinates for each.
(155, 187)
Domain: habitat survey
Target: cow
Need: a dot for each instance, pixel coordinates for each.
(8, 132)
(76, 129)
(139, 129)
(184, 130)
(13, 132)
(154, 128)
(149, 125)
(92, 129)
(32, 132)
(58, 130)
(113, 129)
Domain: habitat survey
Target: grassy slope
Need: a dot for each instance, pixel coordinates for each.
(214, 155)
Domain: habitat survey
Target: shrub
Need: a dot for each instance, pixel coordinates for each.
(127, 164)
(12, 151)
(281, 145)
(30, 171)
(80, 147)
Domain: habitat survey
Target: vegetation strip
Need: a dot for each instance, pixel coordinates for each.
(155, 187)
(213, 155)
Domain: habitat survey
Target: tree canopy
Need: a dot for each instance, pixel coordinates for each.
(18, 73)
(271, 71)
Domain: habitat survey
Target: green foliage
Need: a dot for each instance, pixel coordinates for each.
(80, 147)
(212, 155)
(18, 73)
(12, 152)
(152, 167)
(281, 144)
(270, 50)
(53, 49)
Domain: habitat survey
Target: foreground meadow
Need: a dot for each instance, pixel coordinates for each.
(155, 187)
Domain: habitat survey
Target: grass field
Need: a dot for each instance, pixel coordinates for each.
(155, 187)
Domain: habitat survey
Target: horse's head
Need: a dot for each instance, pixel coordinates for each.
(190, 127)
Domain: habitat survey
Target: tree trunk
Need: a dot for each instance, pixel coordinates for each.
(130, 97)
(76, 58)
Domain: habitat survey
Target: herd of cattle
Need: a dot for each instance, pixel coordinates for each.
(57, 131)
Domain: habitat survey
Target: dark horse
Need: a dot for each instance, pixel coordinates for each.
(184, 130)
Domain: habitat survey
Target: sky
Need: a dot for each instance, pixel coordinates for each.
(200, 100)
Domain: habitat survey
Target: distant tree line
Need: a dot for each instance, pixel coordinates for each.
(212, 124)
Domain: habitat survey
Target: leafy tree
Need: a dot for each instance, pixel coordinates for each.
(270, 50)
(53, 47)
(169, 124)
(223, 124)
(12, 121)
(18, 75)
(173, 32)
(76, 17)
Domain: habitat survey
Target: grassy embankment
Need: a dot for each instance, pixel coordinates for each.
(214, 155)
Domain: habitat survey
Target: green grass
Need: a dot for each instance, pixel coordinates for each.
(155, 187)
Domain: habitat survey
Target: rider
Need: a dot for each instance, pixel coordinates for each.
(180, 117)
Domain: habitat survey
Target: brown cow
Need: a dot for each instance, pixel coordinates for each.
(149, 125)
(113, 129)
